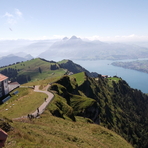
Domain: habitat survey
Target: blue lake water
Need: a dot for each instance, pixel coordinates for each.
(135, 79)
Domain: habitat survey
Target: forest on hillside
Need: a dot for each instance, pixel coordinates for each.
(13, 75)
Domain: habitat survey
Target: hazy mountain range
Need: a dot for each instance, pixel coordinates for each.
(33, 47)
(74, 48)
(18, 57)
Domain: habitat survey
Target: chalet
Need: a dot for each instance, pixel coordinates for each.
(4, 89)
(105, 76)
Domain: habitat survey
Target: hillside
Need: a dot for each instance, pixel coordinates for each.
(79, 102)
(49, 131)
(38, 68)
(52, 132)
(108, 102)
(31, 70)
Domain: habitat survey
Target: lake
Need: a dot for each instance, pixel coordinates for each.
(135, 79)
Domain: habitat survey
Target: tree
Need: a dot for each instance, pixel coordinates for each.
(40, 70)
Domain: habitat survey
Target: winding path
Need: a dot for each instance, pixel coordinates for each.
(43, 106)
(41, 109)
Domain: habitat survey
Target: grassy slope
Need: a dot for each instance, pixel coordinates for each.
(80, 77)
(44, 130)
(121, 108)
(63, 61)
(31, 68)
(23, 103)
(51, 132)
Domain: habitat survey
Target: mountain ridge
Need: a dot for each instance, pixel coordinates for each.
(76, 48)
(118, 107)
(13, 58)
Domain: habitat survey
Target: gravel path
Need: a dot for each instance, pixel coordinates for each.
(41, 108)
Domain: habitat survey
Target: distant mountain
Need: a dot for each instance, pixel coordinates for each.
(73, 48)
(33, 47)
(76, 48)
(10, 59)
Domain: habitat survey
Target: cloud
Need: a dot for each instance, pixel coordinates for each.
(13, 18)
(18, 12)
(7, 15)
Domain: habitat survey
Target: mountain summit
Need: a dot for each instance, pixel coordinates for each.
(74, 37)
(76, 48)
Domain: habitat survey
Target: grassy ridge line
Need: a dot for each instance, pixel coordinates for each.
(31, 68)
(120, 108)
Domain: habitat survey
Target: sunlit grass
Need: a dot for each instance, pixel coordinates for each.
(80, 77)
(43, 82)
(114, 79)
(52, 132)
(31, 68)
(23, 103)
(111, 79)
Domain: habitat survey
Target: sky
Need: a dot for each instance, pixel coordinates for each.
(105, 20)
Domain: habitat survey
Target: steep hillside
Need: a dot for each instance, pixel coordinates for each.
(108, 102)
(51, 132)
(48, 131)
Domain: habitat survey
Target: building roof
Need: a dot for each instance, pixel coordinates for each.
(14, 83)
(2, 77)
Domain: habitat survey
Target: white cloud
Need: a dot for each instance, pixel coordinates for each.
(18, 12)
(7, 15)
(13, 18)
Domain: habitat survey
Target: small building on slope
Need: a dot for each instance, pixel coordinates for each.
(13, 86)
(4, 89)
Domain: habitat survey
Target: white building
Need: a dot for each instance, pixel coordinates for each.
(4, 89)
